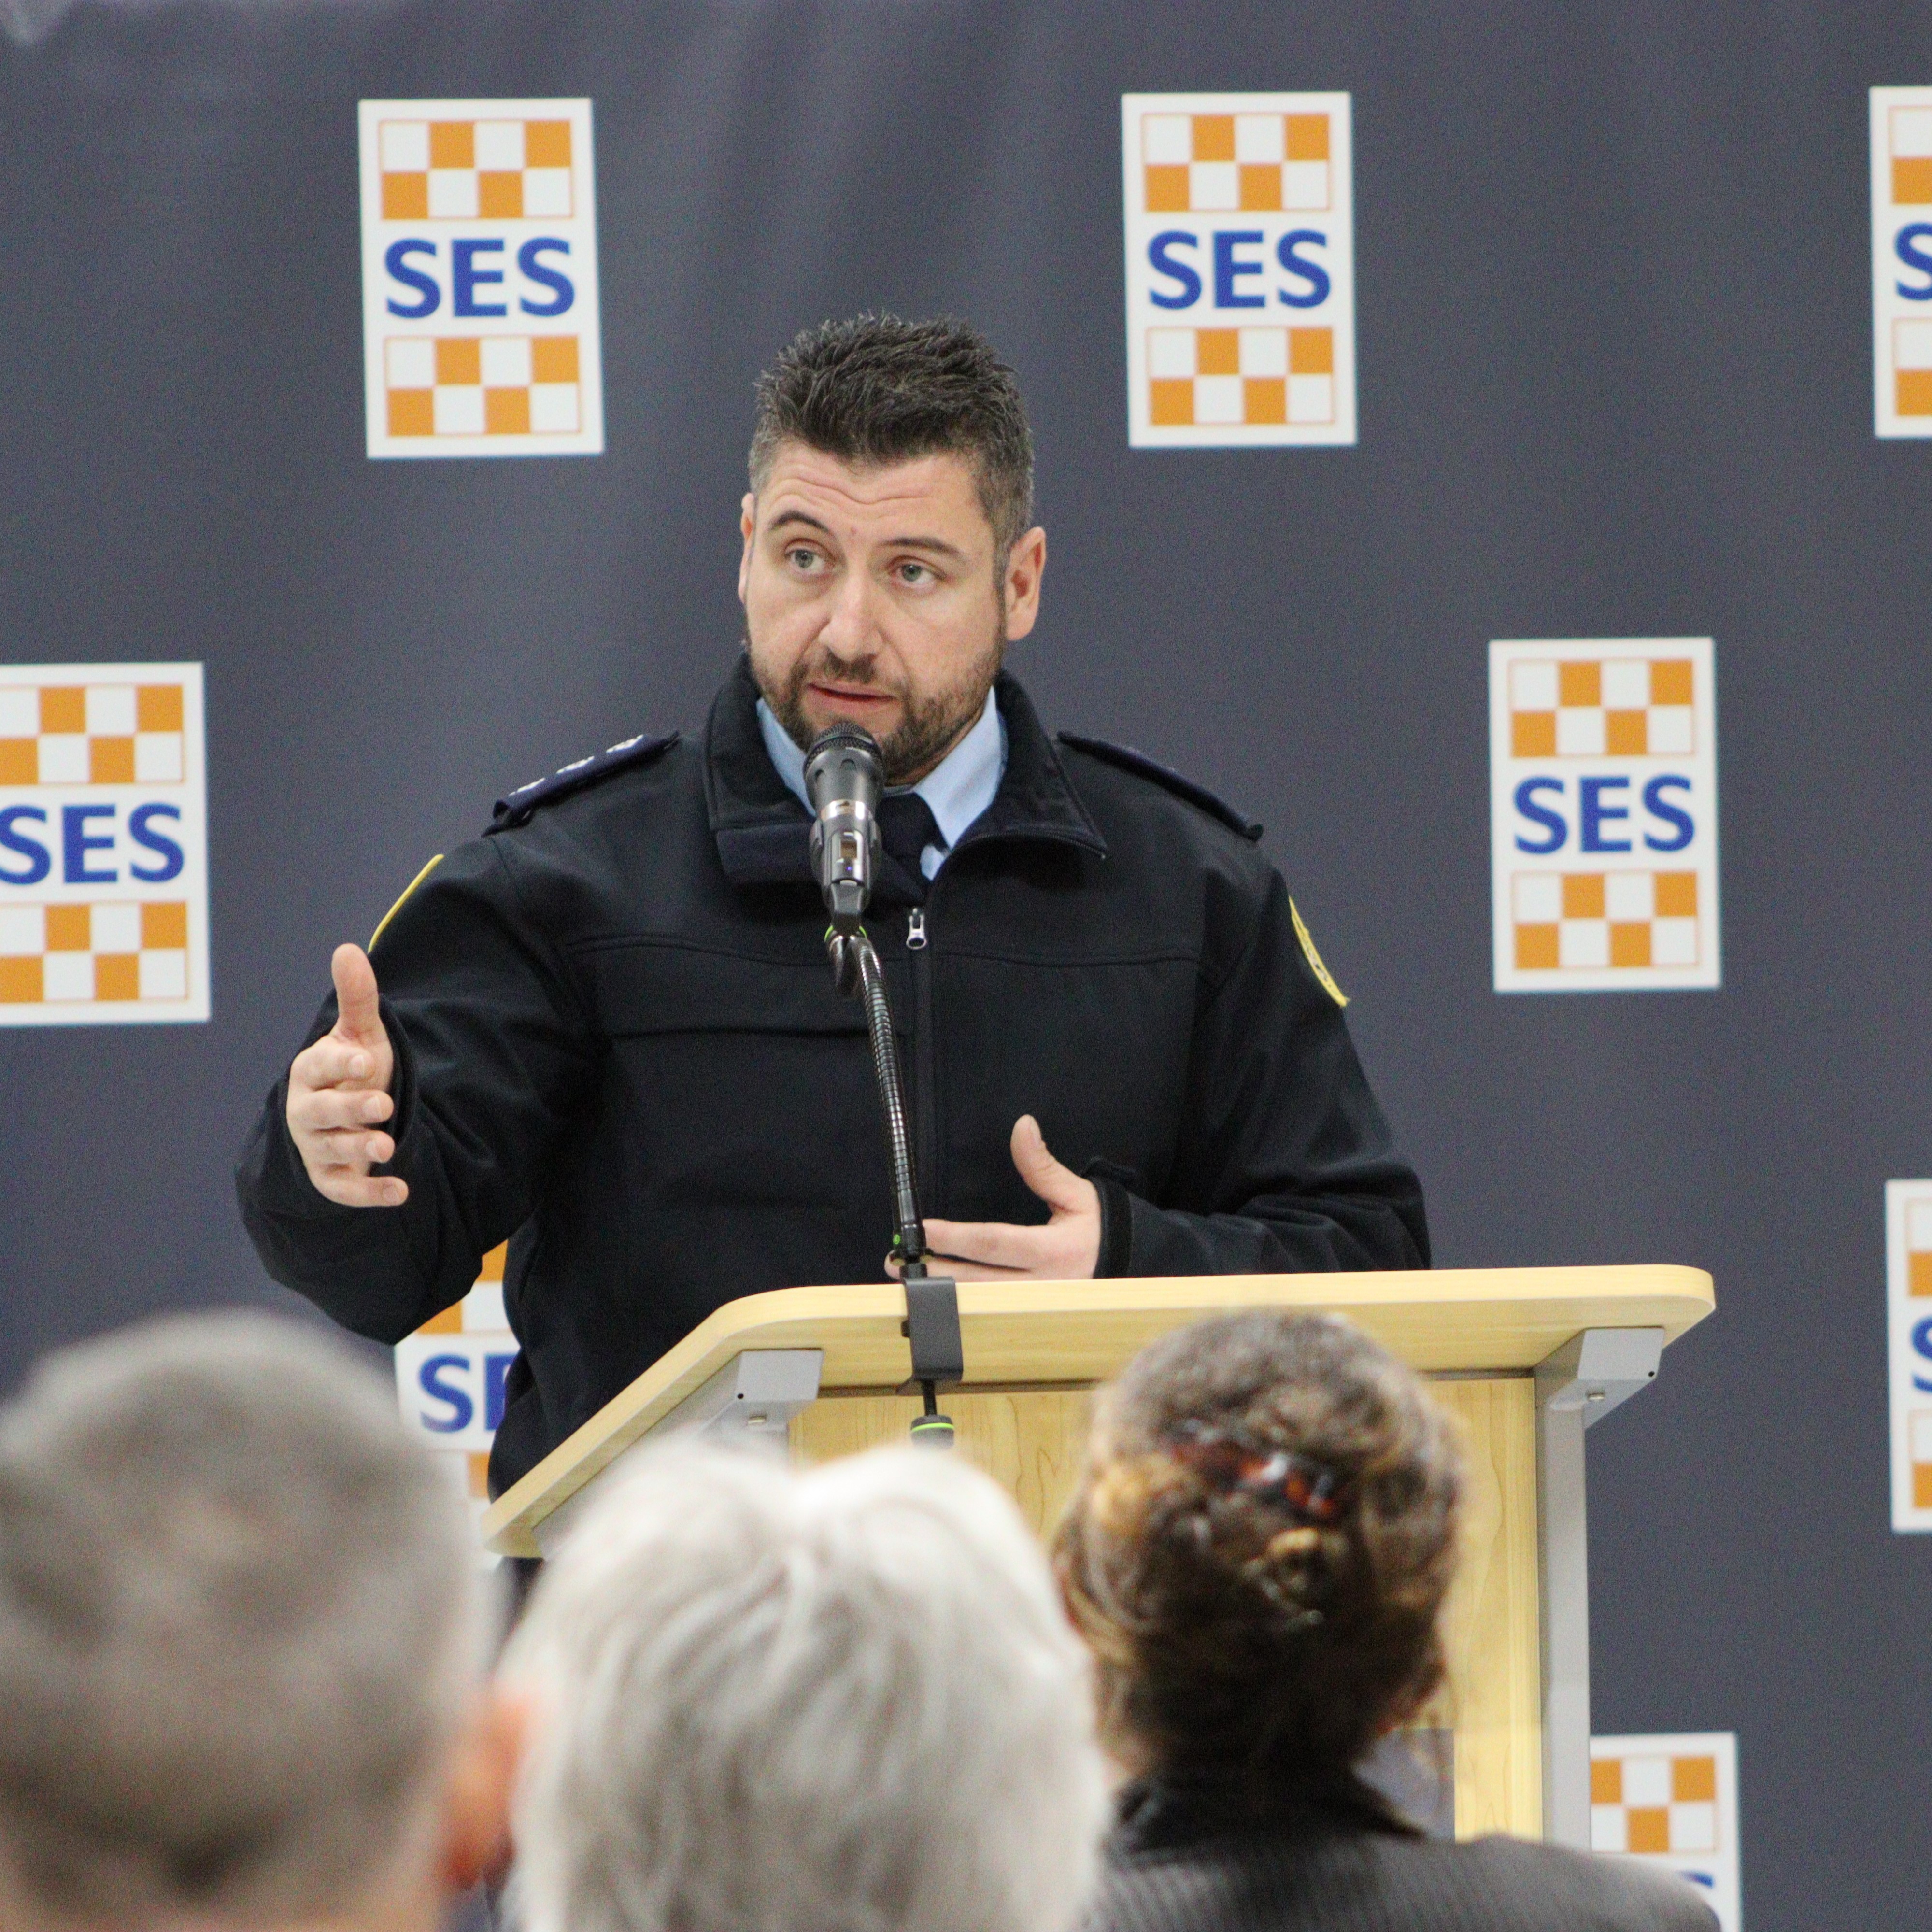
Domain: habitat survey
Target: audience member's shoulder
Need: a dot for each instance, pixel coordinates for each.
(1583, 1893)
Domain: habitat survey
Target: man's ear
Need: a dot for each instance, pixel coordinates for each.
(482, 1783)
(1026, 563)
(748, 521)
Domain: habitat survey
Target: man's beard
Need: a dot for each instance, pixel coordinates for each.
(928, 726)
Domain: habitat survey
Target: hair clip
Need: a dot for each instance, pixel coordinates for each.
(1307, 1489)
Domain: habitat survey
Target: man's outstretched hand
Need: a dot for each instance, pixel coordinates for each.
(1066, 1249)
(339, 1094)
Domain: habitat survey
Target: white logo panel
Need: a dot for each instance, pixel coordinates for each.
(1240, 299)
(1901, 238)
(479, 279)
(1603, 815)
(104, 845)
(1908, 1258)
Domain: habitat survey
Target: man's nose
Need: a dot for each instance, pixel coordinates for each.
(850, 630)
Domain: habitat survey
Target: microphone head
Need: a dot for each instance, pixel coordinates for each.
(844, 762)
(844, 776)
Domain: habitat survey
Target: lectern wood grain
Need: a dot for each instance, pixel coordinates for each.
(1029, 1440)
(1492, 1702)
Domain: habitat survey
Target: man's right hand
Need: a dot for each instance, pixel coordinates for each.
(339, 1094)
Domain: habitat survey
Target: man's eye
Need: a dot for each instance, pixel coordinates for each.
(801, 559)
(913, 573)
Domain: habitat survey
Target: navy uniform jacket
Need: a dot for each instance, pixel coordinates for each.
(616, 1036)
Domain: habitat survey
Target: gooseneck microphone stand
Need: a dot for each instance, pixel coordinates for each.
(843, 777)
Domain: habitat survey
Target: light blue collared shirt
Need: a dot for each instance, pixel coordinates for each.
(958, 789)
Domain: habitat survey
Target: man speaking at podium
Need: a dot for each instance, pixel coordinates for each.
(607, 1027)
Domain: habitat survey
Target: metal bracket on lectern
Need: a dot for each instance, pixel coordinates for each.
(748, 1404)
(932, 1327)
(1598, 1370)
(1591, 1374)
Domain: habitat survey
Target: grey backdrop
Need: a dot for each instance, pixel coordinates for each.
(1615, 380)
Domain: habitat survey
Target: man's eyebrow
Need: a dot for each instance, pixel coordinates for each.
(785, 517)
(938, 545)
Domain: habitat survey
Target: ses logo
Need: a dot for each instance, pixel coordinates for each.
(1901, 216)
(104, 845)
(1908, 1249)
(1241, 269)
(1672, 1801)
(451, 1375)
(1603, 815)
(479, 279)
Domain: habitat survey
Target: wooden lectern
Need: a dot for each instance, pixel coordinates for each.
(1526, 1358)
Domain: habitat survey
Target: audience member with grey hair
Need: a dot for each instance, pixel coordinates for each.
(765, 1701)
(242, 1634)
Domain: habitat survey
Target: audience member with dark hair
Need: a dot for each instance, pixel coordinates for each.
(1258, 1556)
(242, 1639)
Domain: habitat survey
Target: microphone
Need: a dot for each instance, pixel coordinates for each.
(844, 776)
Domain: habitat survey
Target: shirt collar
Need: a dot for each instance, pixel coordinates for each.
(760, 825)
(959, 789)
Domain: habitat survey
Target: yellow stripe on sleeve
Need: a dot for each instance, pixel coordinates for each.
(398, 906)
(1314, 958)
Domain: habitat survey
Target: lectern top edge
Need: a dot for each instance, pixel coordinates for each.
(1502, 1321)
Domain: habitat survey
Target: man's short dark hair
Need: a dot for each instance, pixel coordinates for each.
(879, 389)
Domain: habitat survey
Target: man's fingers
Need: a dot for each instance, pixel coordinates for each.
(998, 1244)
(351, 1149)
(964, 1270)
(359, 1018)
(1059, 1187)
(332, 1061)
(324, 1109)
(368, 1190)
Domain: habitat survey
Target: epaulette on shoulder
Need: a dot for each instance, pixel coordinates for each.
(516, 809)
(1141, 765)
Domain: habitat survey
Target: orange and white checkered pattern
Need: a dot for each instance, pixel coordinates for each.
(1912, 365)
(1234, 164)
(108, 950)
(1253, 375)
(91, 734)
(1579, 708)
(1919, 1250)
(1598, 919)
(1655, 1805)
(508, 170)
(482, 386)
(1909, 142)
(1670, 1800)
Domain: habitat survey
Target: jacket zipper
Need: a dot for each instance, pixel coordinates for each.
(926, 1123)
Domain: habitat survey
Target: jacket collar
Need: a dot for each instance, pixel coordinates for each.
(1170, 1810)
(761, 828)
